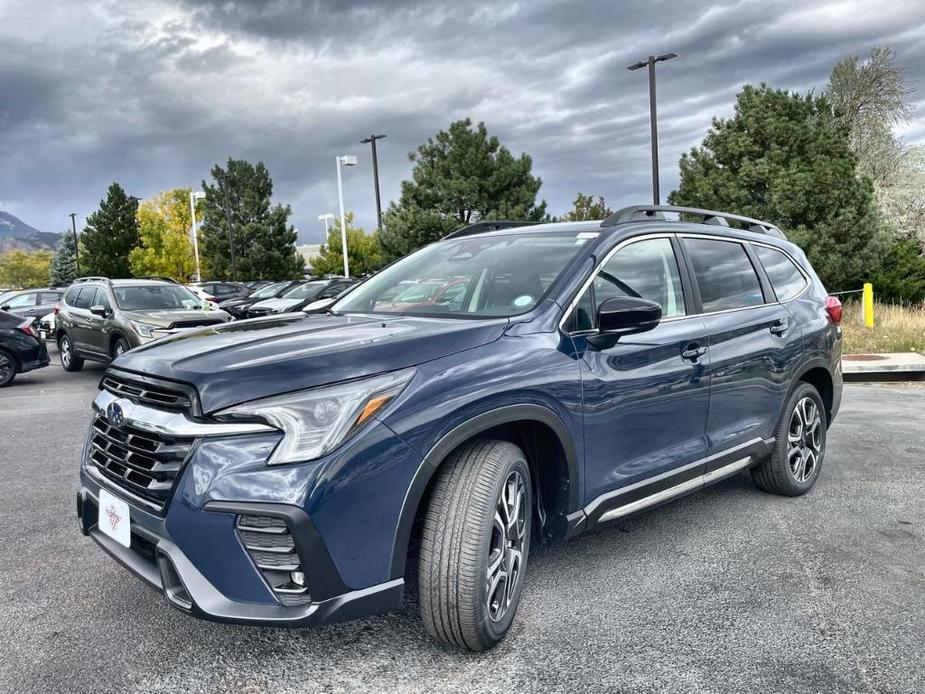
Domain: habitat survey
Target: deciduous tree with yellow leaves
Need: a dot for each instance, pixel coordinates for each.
(164, 224)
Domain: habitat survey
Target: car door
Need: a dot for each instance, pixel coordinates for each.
(754, 342)
(21, 303)
(79, 323)
(99, 330)
(645, 396)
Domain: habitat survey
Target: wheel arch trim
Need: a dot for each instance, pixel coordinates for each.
(459, 435)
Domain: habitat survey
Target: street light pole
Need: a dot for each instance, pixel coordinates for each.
(73, 217)
(371, 140)
(342, 161)
(653, 116)
(193, 197)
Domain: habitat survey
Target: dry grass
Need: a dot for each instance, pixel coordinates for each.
(896, 329)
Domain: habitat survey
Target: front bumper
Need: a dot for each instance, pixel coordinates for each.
(162, 565)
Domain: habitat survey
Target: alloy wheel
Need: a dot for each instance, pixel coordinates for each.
(505, 552)
(804, 440)
(65, 349)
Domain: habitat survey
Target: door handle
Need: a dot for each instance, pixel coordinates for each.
(693, 352)
(780, 326)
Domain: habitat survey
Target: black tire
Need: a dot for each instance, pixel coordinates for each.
(797, 447)
(120, 347)
(460, 532)
(8, 368)
(69, 360)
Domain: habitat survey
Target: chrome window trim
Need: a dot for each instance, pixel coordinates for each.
(656, 235)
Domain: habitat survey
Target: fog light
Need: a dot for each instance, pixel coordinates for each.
(298, 578)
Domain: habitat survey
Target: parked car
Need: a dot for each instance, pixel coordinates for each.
(32, 303)
(101, 319)
(292, 468)
(218, 292)
(238, 307)
(418, 296)
(254, 285)
(301, 296)
(21, 349)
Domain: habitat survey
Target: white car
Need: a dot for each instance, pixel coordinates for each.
(208, 302)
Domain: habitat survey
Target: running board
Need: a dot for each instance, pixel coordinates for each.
(677, 490)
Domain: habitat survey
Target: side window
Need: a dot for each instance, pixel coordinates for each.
(70, 296)
(22, 301)
(786, 279)
(102, 299)
(49, 297)
(645, 269)
(331, 291)
(724, 274)
(85, 298)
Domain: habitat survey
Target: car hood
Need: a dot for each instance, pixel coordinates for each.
(275, 304)
(165, 317)
(245, 360)
(235, 303)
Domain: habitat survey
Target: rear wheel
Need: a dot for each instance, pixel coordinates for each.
(475, 545)
(69, 360)
(7, 368)
(793, 466)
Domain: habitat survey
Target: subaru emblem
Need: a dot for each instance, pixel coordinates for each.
(115, 414)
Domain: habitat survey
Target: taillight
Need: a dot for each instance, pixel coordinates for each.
(28, 329)
(57, 308)
(833, 308)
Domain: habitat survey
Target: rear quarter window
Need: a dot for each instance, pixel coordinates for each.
(785, 277)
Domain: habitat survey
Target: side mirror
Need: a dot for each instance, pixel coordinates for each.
(627, 315)
(99, 311)
(5, 308)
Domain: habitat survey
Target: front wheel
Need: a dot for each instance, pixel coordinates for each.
(794, 464)
(475, 545)
(120, 347)
(69, 360)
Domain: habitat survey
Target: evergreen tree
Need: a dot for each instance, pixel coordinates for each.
(585, 208)
(110, 235)
(260, 233)
(64, 265)
(460, 176)
(784, 158)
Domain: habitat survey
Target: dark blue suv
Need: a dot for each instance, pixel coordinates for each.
(288, 471)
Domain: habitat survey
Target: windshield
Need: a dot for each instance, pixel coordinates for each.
(306, 291)
(473, 276)
(155, 297)
(270, 290)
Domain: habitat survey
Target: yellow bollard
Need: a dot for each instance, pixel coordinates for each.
(868, 305)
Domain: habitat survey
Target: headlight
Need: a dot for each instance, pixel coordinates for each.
(144, 329)
(317, 421)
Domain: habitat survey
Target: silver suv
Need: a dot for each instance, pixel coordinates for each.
(100, 318)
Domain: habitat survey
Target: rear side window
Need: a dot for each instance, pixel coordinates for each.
(785, 277)
(724, 274)
(70, 296)
(49, 297)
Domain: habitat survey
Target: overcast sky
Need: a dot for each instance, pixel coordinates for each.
(152, 93)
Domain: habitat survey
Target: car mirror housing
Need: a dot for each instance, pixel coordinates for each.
(627, 315)
(99, 311)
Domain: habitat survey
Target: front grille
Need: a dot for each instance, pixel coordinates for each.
(142, 463)
(162, 396)
(271, 547)
(195, 323)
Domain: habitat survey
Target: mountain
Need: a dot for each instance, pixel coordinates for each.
(15, 234)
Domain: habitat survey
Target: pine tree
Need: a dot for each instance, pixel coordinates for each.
(110, 235)
(64, 265)
(260, 234)
(460, 176)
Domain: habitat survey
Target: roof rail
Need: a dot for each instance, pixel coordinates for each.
(92, 279)
(641, 213)
(482, 227)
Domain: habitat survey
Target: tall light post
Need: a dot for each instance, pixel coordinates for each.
(195, 195)
(324, 219)
(73, 216)
(342, 161)
(371, 140)
(653, 118)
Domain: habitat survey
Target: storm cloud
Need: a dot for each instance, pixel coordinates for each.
(153, 93)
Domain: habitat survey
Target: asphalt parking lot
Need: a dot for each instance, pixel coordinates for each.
(729, 589)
